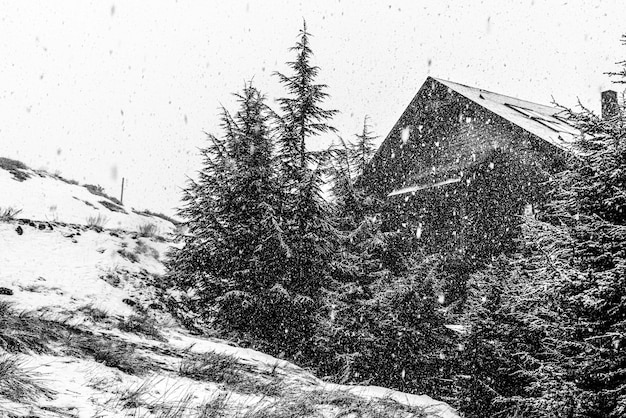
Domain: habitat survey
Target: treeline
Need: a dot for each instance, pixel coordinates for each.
(269, 262)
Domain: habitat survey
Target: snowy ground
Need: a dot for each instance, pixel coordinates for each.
(114, 350)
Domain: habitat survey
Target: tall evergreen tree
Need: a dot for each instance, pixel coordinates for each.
(235, 246)
(302, 114)
(312, 233)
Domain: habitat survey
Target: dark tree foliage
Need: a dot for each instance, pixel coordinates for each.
(302, 115)
(548, 325)
(269, 262)
(235, 247)
(389, 332)
(311, 232)
(261, 239)
(363, 148)
(386, 322)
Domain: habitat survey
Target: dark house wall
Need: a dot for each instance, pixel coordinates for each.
(497, 166)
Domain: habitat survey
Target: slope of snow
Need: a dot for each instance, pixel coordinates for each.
(65, 266)
(43, 197)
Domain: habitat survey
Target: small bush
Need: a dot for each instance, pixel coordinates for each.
(141, 324)
(147, 230)
(8, 214)
(19, 384)
(98, 221)
(15, 168)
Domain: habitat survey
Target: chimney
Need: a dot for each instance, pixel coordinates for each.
(610, 105)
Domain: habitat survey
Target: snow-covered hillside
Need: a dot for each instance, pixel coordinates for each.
(84, 330)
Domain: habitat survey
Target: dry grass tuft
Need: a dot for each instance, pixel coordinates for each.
(117, 355)
(210, 367)
(147, 230)
(8, 214)
(215, 408)
(225, 369)
(142, 325)
(98, 221)
(19, 383)
(93, 313)
(25, 332)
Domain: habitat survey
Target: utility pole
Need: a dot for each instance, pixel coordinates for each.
(122, 194)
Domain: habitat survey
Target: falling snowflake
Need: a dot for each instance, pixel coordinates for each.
(406, 133)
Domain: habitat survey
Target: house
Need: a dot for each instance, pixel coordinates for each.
(462, 163)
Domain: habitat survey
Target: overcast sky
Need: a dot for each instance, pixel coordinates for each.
(102, 90)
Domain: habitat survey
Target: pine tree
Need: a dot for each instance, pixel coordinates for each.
(303, 117)
(312, 234)
(363, 148)
(235, 246)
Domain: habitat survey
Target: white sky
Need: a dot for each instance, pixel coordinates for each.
(103, 90)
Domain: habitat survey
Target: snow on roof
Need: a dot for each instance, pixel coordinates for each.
(546, 122)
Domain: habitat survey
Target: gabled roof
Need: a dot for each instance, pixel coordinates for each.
(543, 121)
